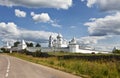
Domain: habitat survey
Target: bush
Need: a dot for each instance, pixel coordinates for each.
(36, 54)
(116, 51)
(5, 50)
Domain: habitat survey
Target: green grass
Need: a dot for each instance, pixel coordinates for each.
(80, 67)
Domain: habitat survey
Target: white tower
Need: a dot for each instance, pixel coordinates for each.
(50, 41)
(73, 46)
(59, 40)
(22, 45)
(8, 46)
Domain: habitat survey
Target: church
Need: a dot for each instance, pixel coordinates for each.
(57, 44)
(62, 45)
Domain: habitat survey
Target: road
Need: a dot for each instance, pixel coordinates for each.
(12, 67)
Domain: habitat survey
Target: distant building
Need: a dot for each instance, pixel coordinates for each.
(20, 46)
(114, 49)
(73, 46)
(7, 46)
(57, 44)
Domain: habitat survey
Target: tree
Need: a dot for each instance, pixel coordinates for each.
(116, 51)
(16, 43)
(29, 44)
(3, 49)
(38, 45)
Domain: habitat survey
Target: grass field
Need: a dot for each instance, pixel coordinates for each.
(87, 69)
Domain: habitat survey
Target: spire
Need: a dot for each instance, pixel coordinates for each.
(114, 49)
(50, 37)
(73, 41)
(7, 44)
(59, 35)
(23, 42)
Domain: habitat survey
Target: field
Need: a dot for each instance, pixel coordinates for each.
(85, 65)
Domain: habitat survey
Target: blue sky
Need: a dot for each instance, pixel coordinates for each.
(94, 23)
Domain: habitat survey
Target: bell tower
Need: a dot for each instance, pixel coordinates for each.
(50, 41)
(59, 40)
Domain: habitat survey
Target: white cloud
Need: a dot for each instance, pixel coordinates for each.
(59, 4)
(9, 28)
(82, 0)
(90, 3)
(19, 13)
(37, 36)
(102, 29)
(109, 25)
(88, 40)
(10, 31)
(72, 27)
(44, 18)
(105, 5)
(54, 23)
(94, 42)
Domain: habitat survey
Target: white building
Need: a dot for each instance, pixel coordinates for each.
(55, 45)
(20, 46)
(7, 46)
(58, 42)
(73, 46)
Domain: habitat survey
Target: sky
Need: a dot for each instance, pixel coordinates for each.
(94, 23)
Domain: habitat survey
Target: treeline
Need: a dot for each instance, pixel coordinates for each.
(91, 57)
(116, 51)
(38, 53)
(27, 43)
(88, 57)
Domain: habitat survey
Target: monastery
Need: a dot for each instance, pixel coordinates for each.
(55, 45)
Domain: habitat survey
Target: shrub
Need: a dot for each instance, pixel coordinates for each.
(5, 50)
(116, 51)
(37, 53)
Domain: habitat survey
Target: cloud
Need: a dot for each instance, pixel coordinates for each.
(94, 42)
(88, 40)
(105, 5)
(36, 36)
(102, 29)
(55, 24)
(109, 25)
(72, 27)
(19, 13)
(15, 33)
(44, 18)
(59, 4)
(9, 28)
(90, 3)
